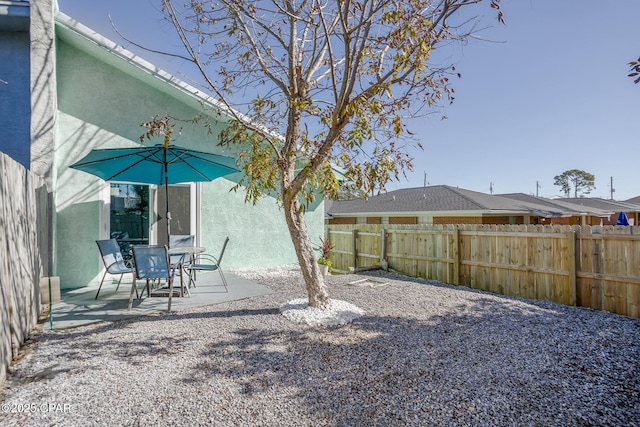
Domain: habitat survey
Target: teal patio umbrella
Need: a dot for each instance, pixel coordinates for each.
(161, 164)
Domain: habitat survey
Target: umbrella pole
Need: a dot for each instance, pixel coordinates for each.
(168, 215)
(166, 190)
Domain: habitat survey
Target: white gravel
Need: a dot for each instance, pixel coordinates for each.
(337, 313)
(421, 353)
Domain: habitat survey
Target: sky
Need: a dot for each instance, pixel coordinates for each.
(546, 93)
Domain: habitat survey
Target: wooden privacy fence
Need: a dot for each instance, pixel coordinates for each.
(24, 254)
(597, 267)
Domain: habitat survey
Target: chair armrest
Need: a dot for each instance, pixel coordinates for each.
(121, 265)
(204, 262)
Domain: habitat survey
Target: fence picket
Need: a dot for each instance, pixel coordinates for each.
(588, 266)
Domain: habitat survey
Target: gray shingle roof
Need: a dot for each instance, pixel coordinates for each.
(608, 205)
(634, 200)
(561, 205)
(441, 198)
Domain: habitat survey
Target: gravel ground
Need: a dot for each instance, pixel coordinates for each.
(423, 353)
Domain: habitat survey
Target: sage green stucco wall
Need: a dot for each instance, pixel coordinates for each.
(102, 107)
(258, 234)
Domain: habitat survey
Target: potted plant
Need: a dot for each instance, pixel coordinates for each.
(323, 261)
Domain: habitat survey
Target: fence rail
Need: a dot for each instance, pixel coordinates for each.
(597, 267)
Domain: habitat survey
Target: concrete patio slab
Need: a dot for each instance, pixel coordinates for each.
(79, 306)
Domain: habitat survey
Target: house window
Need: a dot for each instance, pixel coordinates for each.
(129, 215)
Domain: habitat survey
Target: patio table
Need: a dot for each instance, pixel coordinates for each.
(185, 251)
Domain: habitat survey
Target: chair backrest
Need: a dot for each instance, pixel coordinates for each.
(110, 252)
(224, 246)
(125, 247)
(177, 240)
(151, 261)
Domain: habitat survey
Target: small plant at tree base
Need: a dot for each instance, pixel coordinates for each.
(325, 248)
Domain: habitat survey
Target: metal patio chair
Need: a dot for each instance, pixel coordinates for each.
(181, 262)
(208, 262)
(113, 261)
(151, 263)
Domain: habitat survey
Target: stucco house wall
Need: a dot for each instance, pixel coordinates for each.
(102, 106)
(71, 91)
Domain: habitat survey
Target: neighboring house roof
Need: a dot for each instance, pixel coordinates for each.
(562, 205)
(440, 199)
(634, 200)
(328, 204)
(608, 205)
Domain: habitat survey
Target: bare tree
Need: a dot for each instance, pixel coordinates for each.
(336, 79)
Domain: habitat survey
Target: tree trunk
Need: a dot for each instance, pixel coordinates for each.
(313, 279)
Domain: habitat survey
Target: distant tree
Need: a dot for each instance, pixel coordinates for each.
(580, 181)
(634, 70)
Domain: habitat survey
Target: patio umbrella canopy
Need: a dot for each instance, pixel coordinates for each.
(623, 219)
(159, 165)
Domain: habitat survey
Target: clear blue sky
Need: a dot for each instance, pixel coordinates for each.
(546, 93)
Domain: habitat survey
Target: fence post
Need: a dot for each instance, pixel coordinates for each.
(580, 294)
(455, 253)
(355, 251)
(597, 299)
(571, 238)
(383, 250)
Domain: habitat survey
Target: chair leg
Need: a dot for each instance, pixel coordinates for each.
(224, 281)
(190, 272)
(138, 296)
(117, 287)
(133, 287)
(192, 277)
(185, 288)
(101, 282)
(170, 293)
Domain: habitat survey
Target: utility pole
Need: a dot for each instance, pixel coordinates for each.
(613, 190)
(537, 187)
(491, 188)
(425, 179)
